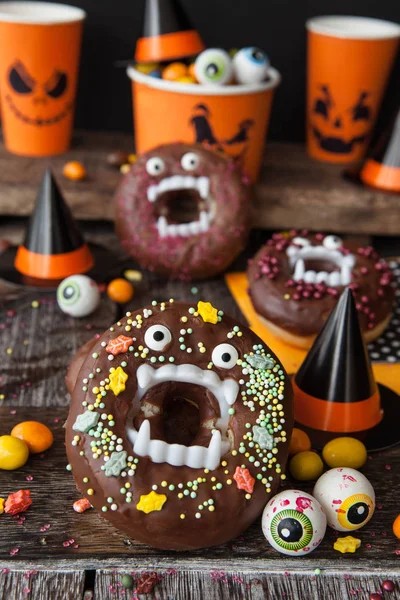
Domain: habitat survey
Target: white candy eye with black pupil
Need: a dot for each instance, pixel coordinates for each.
(190, 161)
(332, 242)
(300, 241)
(157, 337)
(155, 166)
(224, 356)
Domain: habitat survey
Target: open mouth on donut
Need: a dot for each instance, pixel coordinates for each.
(183, 205)
(187, 407)
(317, 264)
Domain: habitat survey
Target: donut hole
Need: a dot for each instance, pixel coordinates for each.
(320, 265)
(181, 420)
(180, 206)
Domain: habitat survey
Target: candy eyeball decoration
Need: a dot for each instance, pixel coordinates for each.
(250, 65)
(78, 296)
(347, 498)
(294, 523)
(213, 67)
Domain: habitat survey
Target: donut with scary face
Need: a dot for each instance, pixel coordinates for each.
(183, 211)
(179, 425)
(296, 279)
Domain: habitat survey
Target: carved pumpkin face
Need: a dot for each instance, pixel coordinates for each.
(38, 102)
(338, 129)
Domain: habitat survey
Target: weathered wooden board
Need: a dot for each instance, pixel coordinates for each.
(171, 584)
(41, 585)
(294, 190)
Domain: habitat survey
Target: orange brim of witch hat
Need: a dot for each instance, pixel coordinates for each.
(167, 33)
(53, 247)
(335, 392)
(382, 169)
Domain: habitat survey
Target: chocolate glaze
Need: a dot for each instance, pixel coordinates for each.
(196, 256)
(274, 293)
(234, 509)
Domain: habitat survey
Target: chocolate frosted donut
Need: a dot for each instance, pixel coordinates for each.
(183, 211)
(295, 281)
(179, 425)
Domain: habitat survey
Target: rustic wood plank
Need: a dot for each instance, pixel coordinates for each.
(171, 584)
(41, 585)
(37, 344)
(294, 190)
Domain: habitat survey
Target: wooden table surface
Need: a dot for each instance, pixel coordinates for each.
(293, 191)
(55, 553)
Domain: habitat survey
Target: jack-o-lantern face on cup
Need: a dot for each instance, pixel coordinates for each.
(39, 56)
(339, 132)
(348, 64)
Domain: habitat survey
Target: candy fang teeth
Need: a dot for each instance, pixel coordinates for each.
(179, 182)
(183, 229)
(225, 391)
(298, 256)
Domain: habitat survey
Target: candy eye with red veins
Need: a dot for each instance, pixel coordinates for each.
(225, 356)
(157, 337)
(190, 161)
(155, 166)
(332, 242)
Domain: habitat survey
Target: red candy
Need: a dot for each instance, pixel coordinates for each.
(18, 502)
(244, 480)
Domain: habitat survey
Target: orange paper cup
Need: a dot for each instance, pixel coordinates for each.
(348, 65)
(39, 57)
(232, 119)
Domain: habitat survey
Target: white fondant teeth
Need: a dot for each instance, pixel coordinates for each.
(143, 439)
(299, 270)
(180, 182)
(298, 256)
(225, 391)
(177, 455)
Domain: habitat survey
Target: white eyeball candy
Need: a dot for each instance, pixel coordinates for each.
(213, 67)
(78, 296)
(294, 523)
(347, 498)
(250, 65)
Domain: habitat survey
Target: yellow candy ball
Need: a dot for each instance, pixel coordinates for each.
(13, 453)
(146, 68)
(306, 466)
(186, 79)
(345, 452)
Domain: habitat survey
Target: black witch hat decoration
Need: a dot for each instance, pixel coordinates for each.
(53, 247)
(167, 33)
(382, 168)
(335, 393)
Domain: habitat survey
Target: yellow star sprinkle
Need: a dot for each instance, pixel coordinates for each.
(151, 502)
(208, 313)
(117, 380)
(2, 501)
(347, 544)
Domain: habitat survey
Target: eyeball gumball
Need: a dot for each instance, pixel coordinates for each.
(294, 523)
(347, 498)
(250, 65)
(78, 296)
(213, 67)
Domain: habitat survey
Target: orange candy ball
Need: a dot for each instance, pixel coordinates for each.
(299, 442)
(74, 170)
(174, 71)
(36, 436)
(120, 290)
(396, 526)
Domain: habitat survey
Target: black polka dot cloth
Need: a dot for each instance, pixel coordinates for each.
(386, 349)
